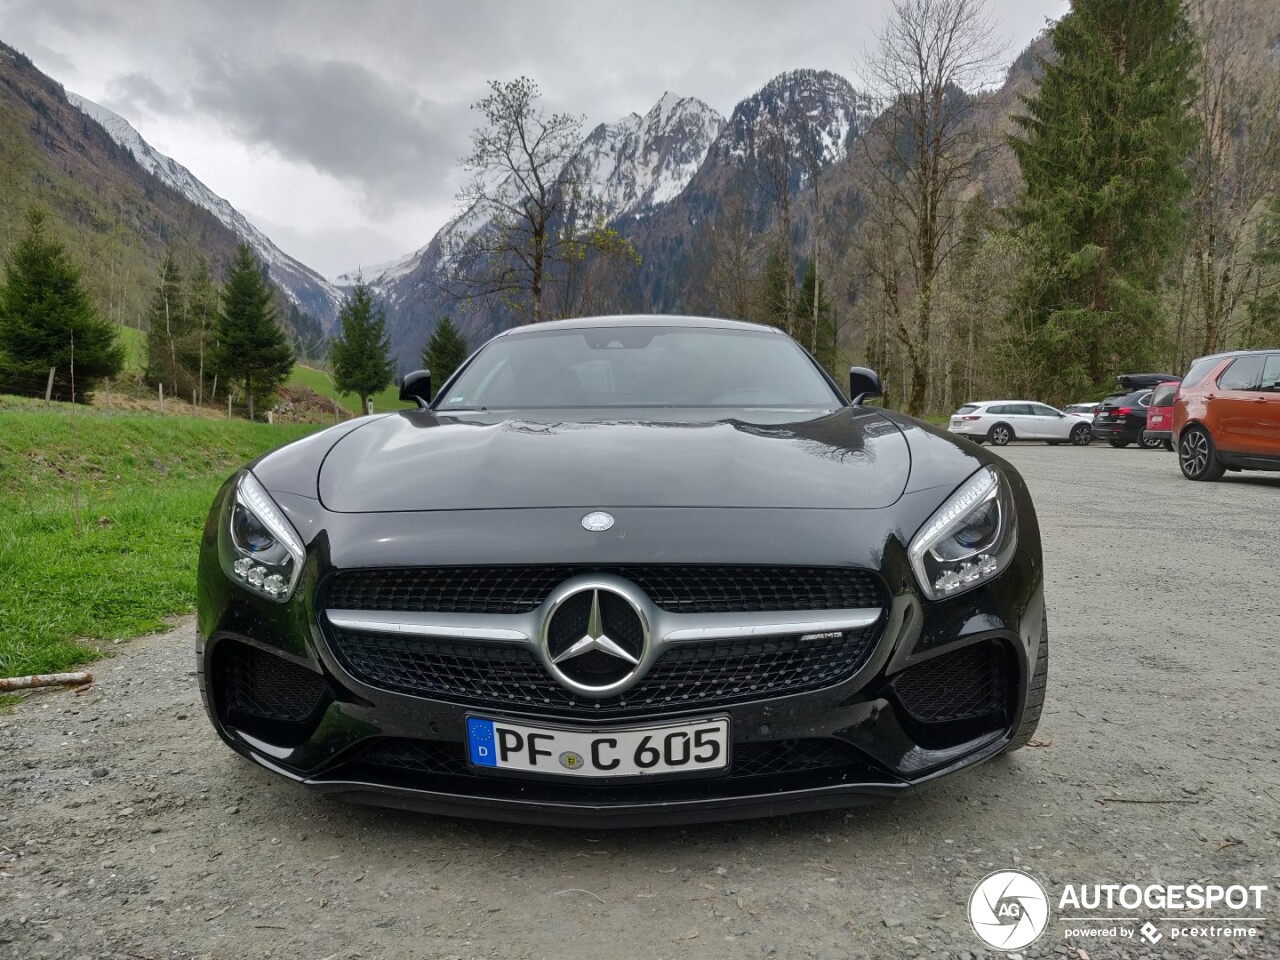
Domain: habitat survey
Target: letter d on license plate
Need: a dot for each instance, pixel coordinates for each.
(691, 746)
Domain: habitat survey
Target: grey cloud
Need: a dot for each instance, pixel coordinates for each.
(136, 92)
(340, 118)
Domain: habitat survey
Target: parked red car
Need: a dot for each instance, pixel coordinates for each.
(1226, 415)
(1160, 416)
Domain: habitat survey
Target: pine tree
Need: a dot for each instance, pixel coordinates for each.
(168, 320)
(361, 352)
(777, 293)
(1103, 150)
(44, 309)
(445, 352)
(251, 346)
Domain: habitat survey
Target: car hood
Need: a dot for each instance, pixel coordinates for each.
(851, 458)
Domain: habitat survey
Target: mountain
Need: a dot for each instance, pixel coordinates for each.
(627, 169)
(639, 163)
(800, 124)
(302, 285)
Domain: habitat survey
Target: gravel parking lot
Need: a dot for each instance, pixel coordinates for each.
(128, 831)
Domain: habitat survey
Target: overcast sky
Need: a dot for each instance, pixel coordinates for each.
(336, 127)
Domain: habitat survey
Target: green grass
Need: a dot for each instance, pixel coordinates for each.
(135, 349)
(145, 485)
(322, 383)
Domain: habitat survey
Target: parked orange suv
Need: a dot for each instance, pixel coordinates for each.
(1226, 415)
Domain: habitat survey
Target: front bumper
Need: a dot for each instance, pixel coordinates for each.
(1124, 430)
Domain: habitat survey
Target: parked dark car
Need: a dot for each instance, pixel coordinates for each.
(1121, 418)
(1159, 429)
(623, 571)
(1227, 414)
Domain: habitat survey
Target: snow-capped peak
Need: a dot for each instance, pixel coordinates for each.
(641, 162)
(816, 106)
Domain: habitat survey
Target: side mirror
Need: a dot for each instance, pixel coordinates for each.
(416, 388)
(864, 384)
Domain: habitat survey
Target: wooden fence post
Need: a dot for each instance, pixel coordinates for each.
(162, 398)
(48, 390)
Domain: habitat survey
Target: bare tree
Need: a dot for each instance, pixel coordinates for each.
(773, 153)
(506, 238)
(923, 150)
(1237, 170)
(731, 282)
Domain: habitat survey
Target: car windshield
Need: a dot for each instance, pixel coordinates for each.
(1163, 395)
(641, 366)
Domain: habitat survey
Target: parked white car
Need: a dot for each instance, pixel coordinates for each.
(999, 421)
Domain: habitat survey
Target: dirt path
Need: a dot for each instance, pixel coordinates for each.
(128, 831)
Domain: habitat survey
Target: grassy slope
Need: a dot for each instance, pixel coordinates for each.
(322, 383)
(145, 486)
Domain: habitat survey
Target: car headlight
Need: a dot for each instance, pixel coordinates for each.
(969, 540)
(258, 547)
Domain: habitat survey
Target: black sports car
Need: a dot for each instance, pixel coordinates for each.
(624, 571)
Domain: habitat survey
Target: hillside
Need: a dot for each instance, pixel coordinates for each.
(115, 217)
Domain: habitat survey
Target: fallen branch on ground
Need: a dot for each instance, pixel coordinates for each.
(45, 680)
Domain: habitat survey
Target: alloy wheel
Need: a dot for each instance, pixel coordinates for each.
(1194, 453)
(1081, 436)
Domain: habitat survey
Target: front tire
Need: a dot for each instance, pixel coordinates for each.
(1151, 443)
(1000, 435)
(1197, 456)
(1081, 436)
(1035, 693)
(1119, 444)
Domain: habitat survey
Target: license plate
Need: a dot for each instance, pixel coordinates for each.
(692, 746)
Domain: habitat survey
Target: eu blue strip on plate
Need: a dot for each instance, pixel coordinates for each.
(480, 741)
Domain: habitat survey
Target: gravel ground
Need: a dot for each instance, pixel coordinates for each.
(128, 831)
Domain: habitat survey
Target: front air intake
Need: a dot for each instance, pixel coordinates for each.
(964, 685)
(260, 688)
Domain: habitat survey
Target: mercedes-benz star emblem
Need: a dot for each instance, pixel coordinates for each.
(594, 636)
(594, 639)
(598, 521)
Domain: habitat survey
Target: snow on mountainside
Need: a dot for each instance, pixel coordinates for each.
(642, 162)
(814, 105)
(301, 284)
(628, 167)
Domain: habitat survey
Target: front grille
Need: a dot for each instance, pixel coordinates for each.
(680, 589)
(688, 675)
(775, 758)
(963, 685)
(256, 684)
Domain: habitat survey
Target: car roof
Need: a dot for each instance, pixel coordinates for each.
(986, 403)
(640, 320)
(1235, 353)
